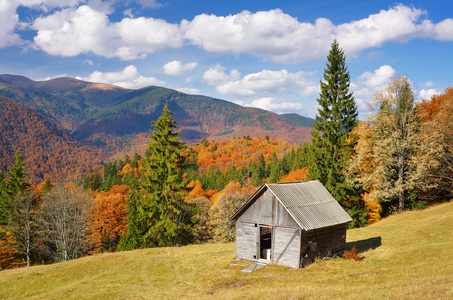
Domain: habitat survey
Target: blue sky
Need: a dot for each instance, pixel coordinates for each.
(266, 54)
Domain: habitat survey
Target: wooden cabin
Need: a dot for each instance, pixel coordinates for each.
(290, 224)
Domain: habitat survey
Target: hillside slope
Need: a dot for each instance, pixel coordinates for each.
(301, 120)
(406, 256)
(48, 149)
(111, 117)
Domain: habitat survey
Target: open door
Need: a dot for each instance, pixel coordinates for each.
(265, 239)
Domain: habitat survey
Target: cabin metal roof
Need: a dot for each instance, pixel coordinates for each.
(309, 203)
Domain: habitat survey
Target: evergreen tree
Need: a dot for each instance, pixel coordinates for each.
(133, 237)
(16, 177)
(3, 199)
(17, 208)
(334, 123)
(162, 218)
(12, 186)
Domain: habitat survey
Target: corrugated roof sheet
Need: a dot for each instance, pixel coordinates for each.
(309, 203)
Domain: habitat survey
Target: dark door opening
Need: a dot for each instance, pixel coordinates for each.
(265, 242)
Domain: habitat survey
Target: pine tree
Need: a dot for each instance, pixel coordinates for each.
(332, 138)
(162, 218)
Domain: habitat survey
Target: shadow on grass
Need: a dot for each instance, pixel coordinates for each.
(364, 245)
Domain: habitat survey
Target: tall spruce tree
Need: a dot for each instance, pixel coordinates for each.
(160, 216)
(334, 123)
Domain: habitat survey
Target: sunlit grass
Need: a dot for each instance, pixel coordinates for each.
(407, 256)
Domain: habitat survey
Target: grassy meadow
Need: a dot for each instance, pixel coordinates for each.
(406, 256)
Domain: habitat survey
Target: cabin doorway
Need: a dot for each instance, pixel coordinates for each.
(265, 242)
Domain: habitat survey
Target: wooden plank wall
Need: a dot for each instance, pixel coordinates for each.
(267, 210)
(286, 246)
(322, 242)
(246, 240)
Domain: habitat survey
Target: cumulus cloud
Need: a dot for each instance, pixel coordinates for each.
(266, 82)
(400, 23)
(177, 68)
(129, 77)
(428, 93)
(378, 78)
(71, 31)
(9, 19)
(216, 75)
(272, 34)
(282, 38)
(367, 84)
(277, 105)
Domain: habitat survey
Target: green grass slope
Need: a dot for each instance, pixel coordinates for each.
(406, 256)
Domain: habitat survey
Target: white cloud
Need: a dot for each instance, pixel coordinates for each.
(427, 94)
(367, 84)
(399, 23)
(380, 77)
(176, 68)
(282, 38)
(128, 13)
(273, 34)
(216, 75)
(442, 31)
(149, 3)
(88, 62)
(267, 83)
(277, 105)
(185, 90)
(127, 78)
(429, 84)
(70, 32)
(8, 21)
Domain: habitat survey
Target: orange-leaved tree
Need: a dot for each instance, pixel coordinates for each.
(9, 257)
(296, 175)
(435, 155)
(108, 221)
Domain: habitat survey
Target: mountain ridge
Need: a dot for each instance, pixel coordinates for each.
(113, 119)
(48, 150)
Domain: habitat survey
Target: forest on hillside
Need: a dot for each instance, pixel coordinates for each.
(173, 194)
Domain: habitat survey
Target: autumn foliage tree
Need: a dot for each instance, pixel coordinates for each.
(108, 219)
(395, 140)
(435, 155)
(227, 203)
(296, 175)
(361, 171)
